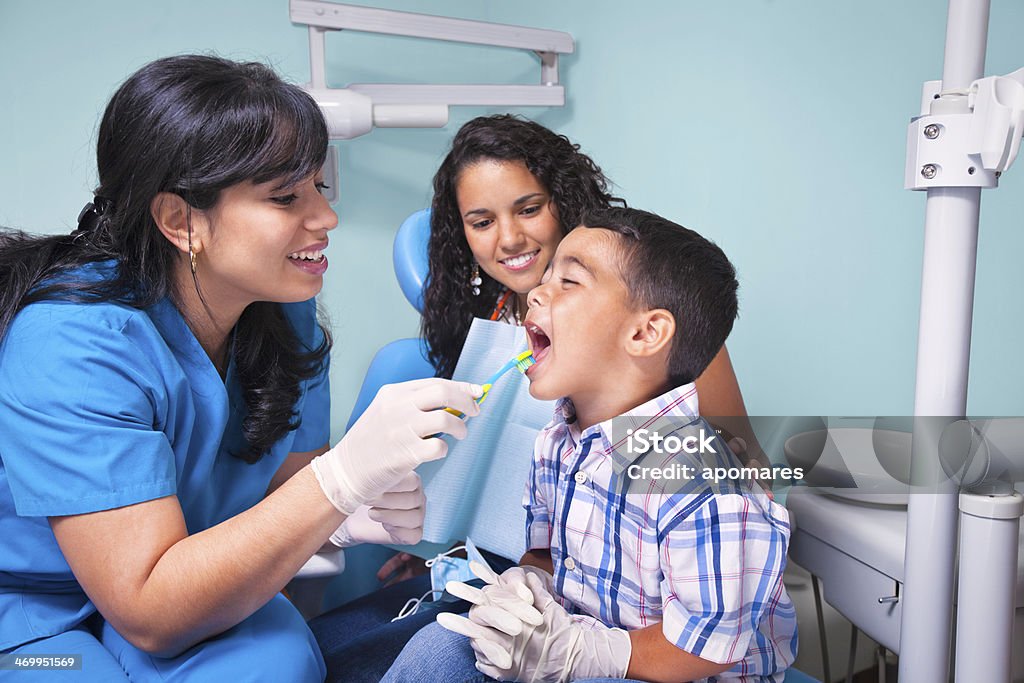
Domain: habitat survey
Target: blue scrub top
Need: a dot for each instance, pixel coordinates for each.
(103, 405)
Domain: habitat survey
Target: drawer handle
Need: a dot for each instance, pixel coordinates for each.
(888, 599)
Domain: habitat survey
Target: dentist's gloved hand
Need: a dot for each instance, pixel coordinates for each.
(395, 517)
(560, 648)
(393, 436)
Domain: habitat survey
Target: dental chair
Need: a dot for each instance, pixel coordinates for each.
(404, 359)
(399, 361)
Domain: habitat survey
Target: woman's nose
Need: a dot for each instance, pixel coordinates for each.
(323, 217)
(510, 236)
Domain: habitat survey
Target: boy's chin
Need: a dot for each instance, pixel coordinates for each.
(542, 393)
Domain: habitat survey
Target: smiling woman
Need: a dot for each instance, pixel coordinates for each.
(261, 242)
(511, 224)
(165, 390)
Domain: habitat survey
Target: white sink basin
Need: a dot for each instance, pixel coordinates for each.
(859, 464)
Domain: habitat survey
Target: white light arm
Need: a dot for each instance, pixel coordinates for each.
(354, 110)
(947, 147)
(998, 121)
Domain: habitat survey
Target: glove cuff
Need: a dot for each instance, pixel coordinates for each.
(341, 538)
(333, 482)
(601, 653)
(620, 647)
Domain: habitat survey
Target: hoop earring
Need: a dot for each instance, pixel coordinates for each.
(474, 279)
(192, 258)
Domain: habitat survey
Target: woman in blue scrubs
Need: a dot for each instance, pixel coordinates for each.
(164, 465)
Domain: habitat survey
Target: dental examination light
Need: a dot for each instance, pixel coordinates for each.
(968, 134)
(354, 110)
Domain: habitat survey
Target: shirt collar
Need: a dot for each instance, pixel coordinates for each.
(181, 340)
(674, 408)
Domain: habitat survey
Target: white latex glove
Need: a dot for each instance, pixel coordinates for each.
(499, 613)
(558, 649)
(395, 517)
(504, 604)
(511, 581)
(517, 574)
(393, 436)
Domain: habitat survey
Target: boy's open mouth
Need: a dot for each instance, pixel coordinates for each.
(538, 340)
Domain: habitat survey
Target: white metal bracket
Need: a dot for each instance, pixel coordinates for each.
(356, 109)
(970, 147)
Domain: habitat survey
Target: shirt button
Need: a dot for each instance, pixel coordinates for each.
(581, 478)
(570, 563)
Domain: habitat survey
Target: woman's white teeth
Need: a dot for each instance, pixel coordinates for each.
(307, 255)
(520, 260)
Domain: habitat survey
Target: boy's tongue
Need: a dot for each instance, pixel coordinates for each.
(539, 342)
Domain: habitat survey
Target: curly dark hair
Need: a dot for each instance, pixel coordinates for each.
(575, 183)
(192, 125)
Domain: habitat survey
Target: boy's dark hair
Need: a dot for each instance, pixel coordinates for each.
(665, 265)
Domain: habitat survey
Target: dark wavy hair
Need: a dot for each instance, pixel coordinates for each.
(575, 183)
(192, 125)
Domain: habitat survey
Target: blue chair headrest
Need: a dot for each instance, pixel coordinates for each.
(409, 256)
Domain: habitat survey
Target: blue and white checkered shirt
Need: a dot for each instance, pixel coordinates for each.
(705, 561)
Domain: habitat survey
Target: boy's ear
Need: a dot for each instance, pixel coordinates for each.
(172, 214)
(651, 333)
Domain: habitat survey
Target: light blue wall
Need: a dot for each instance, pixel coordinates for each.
(776, 127)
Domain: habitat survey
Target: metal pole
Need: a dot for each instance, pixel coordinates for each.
(989, 526)
(317, 58)
(944, 343)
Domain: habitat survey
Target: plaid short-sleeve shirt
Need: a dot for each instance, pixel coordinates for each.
(704, 561)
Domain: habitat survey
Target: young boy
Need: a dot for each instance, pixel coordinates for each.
(628, 574)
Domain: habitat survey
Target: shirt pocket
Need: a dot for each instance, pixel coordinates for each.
(640, 567)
